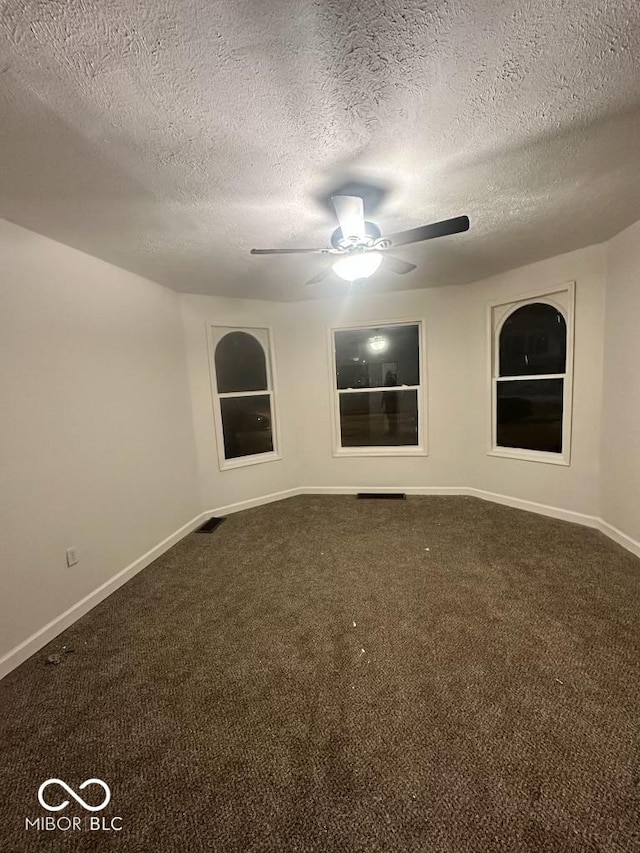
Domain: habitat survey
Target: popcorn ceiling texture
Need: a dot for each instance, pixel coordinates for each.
(169, 137)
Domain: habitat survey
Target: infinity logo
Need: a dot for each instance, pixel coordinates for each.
(70, 791)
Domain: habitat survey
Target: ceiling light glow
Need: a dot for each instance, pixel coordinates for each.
(358, 265)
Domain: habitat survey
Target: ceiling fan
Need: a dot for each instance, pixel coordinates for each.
(360, 246)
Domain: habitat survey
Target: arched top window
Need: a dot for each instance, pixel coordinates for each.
(241, 364)
(533, 341)
(244, 410)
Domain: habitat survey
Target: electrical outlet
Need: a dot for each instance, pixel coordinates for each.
(72, 556)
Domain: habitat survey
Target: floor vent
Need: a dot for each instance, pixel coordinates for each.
(210, 525)
(382, 496)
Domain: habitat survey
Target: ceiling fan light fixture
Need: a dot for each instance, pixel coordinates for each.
(378, 343)
(357, 265)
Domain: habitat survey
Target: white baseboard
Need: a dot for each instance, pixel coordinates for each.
(36, 641)
(618, 536)
(532, 506)
(408, 490)
(253, 502)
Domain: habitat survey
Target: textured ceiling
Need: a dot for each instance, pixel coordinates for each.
(170, 136)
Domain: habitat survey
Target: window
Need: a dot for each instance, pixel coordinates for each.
(378, 397)
(531, 377)
(243, 396)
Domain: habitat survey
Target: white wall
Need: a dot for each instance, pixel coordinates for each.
(304, 387)
(446, 320)
(107, 432)
(620, 480)
(458, 388)
(223, 488)
(96, 438)
(575, 487)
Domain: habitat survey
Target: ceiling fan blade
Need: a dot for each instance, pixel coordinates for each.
(319, 276)
(398, 265)
(350, 213)
(290, 251)
(428, 232)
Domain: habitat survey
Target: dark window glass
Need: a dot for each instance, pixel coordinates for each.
(379, 419)
(372, 358)
(240, 364)
(246, 425)
(533, 340)
(530, 414)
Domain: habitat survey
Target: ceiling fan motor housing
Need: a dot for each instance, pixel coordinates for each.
(372, 233)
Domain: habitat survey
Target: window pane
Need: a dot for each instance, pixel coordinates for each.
(533, 340)
(530, 414)
(240, 364)
(371, 358)
(379, 419)
(246, 425)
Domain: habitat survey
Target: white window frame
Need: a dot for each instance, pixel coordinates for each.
(264, 336)
(413, 450)
(562, 298)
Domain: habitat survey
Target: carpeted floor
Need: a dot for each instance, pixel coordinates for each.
(439, 675)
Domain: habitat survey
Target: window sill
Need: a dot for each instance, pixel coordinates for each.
(380, 451)
(244, 461)
(530, 456)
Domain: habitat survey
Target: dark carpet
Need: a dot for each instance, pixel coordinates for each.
(327, 674)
